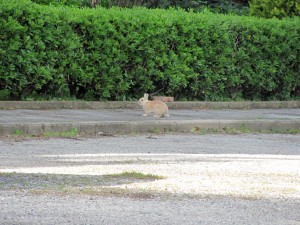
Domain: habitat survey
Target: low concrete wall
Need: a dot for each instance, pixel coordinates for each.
(94, 128)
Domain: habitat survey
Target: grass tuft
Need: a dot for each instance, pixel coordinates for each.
(135, 175)
(73, 132)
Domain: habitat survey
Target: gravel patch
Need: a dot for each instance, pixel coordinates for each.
(191, 164)
(23, 208)
(207, 179)
(244, 176)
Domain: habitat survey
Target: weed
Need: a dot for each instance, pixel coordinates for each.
(73, 132)
(154, 131)
(282, 131)
(18, 132)
(243, 130)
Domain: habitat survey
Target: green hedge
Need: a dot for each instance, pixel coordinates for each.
(75, 3)
(278, 8)
(117, 54)
(239, 7)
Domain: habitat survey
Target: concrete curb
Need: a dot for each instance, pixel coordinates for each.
(10, 105)
(94, 128)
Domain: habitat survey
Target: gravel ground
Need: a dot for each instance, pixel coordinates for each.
(207, 179)
(22, 208)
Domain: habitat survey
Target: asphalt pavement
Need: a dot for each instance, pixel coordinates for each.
(128, 118)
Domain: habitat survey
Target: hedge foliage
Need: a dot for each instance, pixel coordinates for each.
(119, 54)
(278, 8)
(240, 7)
(75, 3)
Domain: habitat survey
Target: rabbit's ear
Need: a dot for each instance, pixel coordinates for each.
(146, 96)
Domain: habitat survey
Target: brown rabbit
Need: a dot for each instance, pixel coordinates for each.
(159, 108)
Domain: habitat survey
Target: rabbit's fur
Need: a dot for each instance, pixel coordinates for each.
(159, 108)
